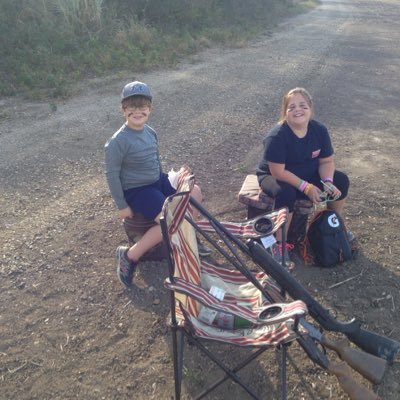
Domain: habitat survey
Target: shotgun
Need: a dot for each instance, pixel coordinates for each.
(341, 370)
(369, 366)
(378, 345)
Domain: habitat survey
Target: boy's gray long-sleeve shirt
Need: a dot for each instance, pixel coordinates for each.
(132, 160)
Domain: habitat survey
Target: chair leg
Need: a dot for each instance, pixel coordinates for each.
(283, 371)
(181, 345)
(178, 357)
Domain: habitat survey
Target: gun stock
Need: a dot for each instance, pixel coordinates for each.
(354, 390)
(341, 370)
(380, 346)
(369, 366)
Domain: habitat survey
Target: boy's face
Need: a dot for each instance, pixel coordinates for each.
(136, 110)
(136, 117)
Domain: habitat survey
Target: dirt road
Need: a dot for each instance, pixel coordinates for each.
(68, 330)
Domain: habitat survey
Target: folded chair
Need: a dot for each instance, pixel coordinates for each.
(232, 303)
(190, 281)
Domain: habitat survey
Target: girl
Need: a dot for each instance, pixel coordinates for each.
(298, 163)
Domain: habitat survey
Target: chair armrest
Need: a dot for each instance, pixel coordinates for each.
(263, 225)
(266, 315)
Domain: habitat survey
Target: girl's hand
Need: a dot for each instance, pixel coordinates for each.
(333, 191)
(126, 213)
(314, 194)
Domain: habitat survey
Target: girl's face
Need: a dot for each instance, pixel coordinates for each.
(298, 111)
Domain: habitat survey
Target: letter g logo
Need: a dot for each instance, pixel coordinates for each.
(333, 221)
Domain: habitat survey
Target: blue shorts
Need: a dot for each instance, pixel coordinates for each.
(148, 200)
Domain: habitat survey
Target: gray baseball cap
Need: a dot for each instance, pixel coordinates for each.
(135, 88)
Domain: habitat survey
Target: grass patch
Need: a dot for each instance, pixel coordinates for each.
(45, 45)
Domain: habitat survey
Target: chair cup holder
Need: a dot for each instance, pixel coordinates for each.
(264, 226)
(270, 312)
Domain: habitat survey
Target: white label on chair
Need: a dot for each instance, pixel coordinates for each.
(217, 292)
(268, 241)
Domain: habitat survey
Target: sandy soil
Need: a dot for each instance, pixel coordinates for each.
(68, 329)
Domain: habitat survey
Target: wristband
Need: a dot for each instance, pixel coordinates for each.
(328, 179)
(303, 185)
(308, 188)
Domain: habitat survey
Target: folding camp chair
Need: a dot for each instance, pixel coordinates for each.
(270, 322)
(241, 306)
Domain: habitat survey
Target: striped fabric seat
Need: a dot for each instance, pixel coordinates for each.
(192, 280)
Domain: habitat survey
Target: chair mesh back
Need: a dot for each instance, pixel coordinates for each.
(182, 237)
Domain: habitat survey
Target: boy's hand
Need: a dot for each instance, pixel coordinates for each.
(126, 213)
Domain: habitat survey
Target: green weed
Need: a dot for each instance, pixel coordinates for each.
(45, 45)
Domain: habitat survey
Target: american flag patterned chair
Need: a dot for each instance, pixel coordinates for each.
(231, 304)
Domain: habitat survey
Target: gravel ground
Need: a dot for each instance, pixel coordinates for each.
(68, 329)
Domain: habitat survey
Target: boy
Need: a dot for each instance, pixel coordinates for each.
(135, 178)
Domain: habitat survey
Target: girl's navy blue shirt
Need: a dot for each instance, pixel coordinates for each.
(300, 155)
